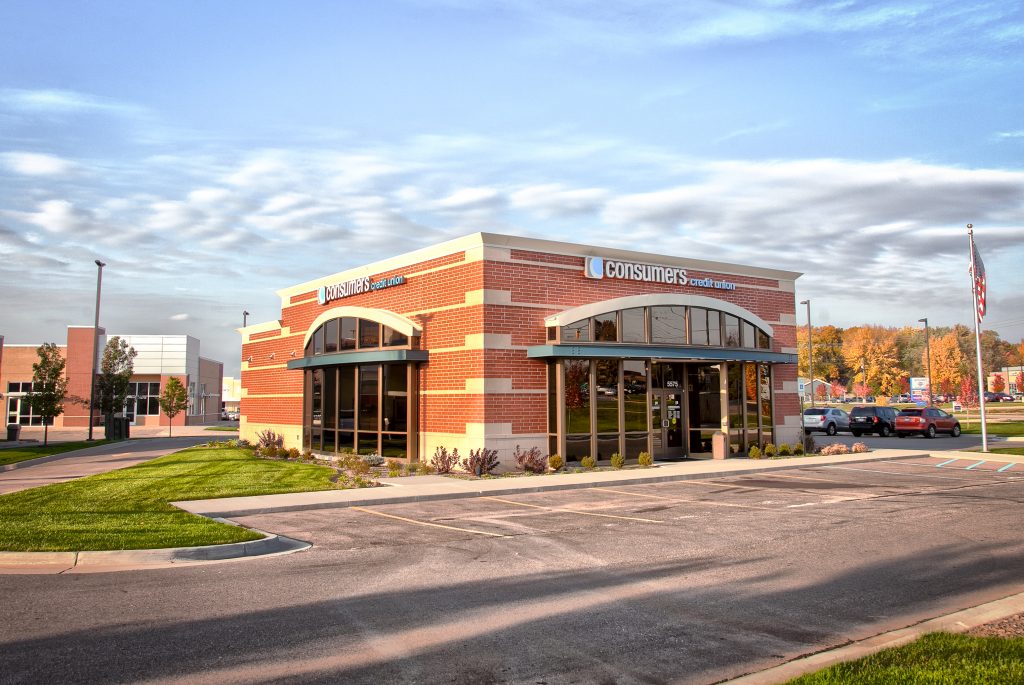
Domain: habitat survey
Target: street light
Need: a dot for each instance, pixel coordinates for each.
(95, 345)
(810, 358)
(245, 318)
(928, 347)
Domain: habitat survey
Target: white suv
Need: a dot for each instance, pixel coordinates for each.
(828, 420)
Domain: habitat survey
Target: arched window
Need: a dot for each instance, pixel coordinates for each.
(351, 333)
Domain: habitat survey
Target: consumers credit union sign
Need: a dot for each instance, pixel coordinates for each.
(599, 268)
(355, 286)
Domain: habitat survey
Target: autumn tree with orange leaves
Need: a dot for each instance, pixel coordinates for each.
(874, 347)
(947, 362)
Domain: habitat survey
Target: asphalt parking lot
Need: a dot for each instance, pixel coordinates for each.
(685, 581)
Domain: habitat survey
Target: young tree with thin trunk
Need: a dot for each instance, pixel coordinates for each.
(116, 368)
(49, 385)
(173, 400)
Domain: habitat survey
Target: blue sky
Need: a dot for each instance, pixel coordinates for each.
(213, 152)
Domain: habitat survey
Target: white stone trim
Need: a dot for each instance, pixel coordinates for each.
(655, 300)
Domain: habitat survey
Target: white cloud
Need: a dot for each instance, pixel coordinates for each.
(63, 102)
(179, 317)
(36, 164)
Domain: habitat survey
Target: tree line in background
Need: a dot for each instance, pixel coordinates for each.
(880, 360)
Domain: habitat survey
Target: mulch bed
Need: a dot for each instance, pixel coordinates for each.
(1011, 626)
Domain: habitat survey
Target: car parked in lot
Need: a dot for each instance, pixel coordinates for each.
(828, 420)
(881, 420)
(926, 421)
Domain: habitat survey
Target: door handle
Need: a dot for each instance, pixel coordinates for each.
(664, 423)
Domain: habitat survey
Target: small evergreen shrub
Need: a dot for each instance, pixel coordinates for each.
(859, 447)
(481, 461)
(444, 461)
(424, 468)
(784, 450)
(618, 461)
(531, 461)
(294, 453)
(244, 443)
(358, 467)
(810, 447)
(555, 462)
(754, 452)
(394, 468)
(588, 462)
(372, 459)
(798, 449)
(645, 459)
(281, 453)
(769, 450)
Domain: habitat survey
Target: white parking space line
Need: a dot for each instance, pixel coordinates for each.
(891, 473)
(573, 511)
(688, 501)
(1005, 468)
(972, 466)
(428, 523)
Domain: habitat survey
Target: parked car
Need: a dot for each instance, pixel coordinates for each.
(926, 421)
(828, 420)
(881, 420)
(998, 397)
(232, 416)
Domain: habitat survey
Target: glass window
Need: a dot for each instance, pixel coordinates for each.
(607, 396)
(605, 327)
(369, 333)
(577, 396)
(309, 349)
(367, 443)
(347, 399)
(763, 341)
(552, 333)
(731, 325)
(154, 388)
(698, 326)
(331, 336)
(577, 447)
(748, 335)
(393, 446)
(318, 341)
(576, 332)
(714, 327)
(330, 401)
(668, 325)
(393, 338)
(396, 398)
(552, 398)
(633, 329)
(318, 397)
(368, 397)
(765, 373)
(348, 333)
(634, 395)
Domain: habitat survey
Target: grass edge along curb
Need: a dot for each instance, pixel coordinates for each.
(30, 452)
(130, 508)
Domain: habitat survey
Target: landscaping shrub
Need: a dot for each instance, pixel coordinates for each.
(754, 452)
(282, 453)
(244, 443)
(618, 461)
(531, 460)
(645, 459)
(810, 447)
(444, 461)
(269, 438)
(798, 449)
(294, 453)
(555, 462)
(835, 448)
(307, 455)
(481, 461)
(769, 450)
(424, 468)
(358, 467)
(784, 450)
(372, 459)
(859, 447)
(394, 468)
(588, 462)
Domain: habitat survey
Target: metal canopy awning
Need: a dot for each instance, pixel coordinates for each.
(348, 358)
(674, 353)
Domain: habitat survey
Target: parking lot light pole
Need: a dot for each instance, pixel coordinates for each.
(95, 343)
(810, 358)
(928, 348)
(245, 318)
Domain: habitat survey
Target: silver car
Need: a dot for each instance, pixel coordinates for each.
(828, 420)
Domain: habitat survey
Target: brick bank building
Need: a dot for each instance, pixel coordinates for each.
(496, 341)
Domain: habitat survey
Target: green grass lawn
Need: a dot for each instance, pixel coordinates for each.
(222, 428)
(15, 454)
(939, 658)
(1008, 450)
(129, 508)
(1006, 428)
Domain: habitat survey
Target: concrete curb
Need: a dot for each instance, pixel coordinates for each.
(956, 622)
(134, 559)
(332, 499)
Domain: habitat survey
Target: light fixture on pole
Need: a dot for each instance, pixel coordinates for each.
(810, 357)
(928, 348)
(245, 318)
(95, 345)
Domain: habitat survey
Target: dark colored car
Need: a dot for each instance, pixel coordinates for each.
(998, 397)
(926, 421)
(881, 420)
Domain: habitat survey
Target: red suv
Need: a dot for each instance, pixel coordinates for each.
(926, 421)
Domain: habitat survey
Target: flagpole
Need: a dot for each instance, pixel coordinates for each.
(977, 343)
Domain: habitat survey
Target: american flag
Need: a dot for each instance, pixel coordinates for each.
(979, 280)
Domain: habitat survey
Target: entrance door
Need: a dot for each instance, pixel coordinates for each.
(667, 424)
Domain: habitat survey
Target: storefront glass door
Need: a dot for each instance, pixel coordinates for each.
(667, 424)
